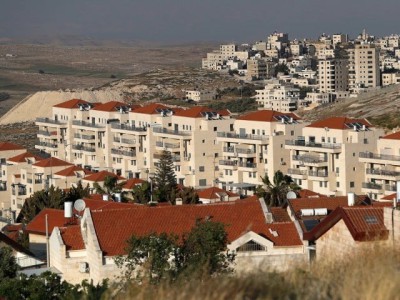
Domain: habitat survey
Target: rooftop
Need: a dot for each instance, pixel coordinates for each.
(73, 103)
(7, 146)
(52, 162)
(24, 157)
(267, 116)
(101, 176)
(341, 123)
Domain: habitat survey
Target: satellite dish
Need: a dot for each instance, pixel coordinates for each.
(291, 195)
(79, 205)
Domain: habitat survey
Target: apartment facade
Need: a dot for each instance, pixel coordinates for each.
(255, 148)
(258, 68)
(364, 70)
(332, 75)
(324, 157)
(277, 96)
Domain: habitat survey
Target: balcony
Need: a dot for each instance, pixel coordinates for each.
(128, 127)
(50, 121)
(123, 152)
(243, 152)
(228, 164)
(374, 156)
(247, 165)
(297, 173)
(385, 173)
(47, 145)
(124, 141)
(318, 173)
(44, 132)
(301, 143)
(175, 158)
(167, 145)
(310, 160)
(371, 186)
(88, 137)
(163, 130)
(390, 187)
(86, 124)
(232, 135)
(83, 148)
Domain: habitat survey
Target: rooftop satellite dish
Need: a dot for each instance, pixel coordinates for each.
(291, 195)
(79, 205)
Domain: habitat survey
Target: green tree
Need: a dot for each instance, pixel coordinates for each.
(204, 250)
(8, 264)
(110, 186)
(276, 190)
(149, 258)
(281, 68)
(77, 192)
(165, 178)
(187, 194)
(51, 198)
(141, 193)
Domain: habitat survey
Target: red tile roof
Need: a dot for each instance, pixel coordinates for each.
(109, 106)
(266, 116)
(304, 193)
(195, 112)
(23, 157)
(280, 214)
(72, 237)
(131, 183)
(150, 109)
(73, 103)
(13, 244)
(7, 146)
(101, 176)
(71, 171)
(114, 227)
(389, 197)
(51, 162)
(392, 136)
(213, 193)
(364, 223)
(338, 123)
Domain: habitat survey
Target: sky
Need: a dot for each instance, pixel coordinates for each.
(182, 21)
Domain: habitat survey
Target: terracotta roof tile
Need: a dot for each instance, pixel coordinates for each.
(71, 171)
(101, 176)
(392, 136)
(150, 109)
(280, 214)
(196, 112)
(24, 157)
(51, 162)
(13, 244)
(389, 197)
(72, 237)
(131, 183)
(109, 106)
(114, 227)
(73, 103)
(266, 116)
(364, 223)
(7, 146)
(214, 192)
(304, 193)
(338, 123)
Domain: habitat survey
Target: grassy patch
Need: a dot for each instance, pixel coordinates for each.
(388, 120)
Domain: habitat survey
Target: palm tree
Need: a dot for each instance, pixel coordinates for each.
(275, 191)
(110, 186)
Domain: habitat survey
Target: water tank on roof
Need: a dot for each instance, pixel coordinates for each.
(67, 209)
(320, 211)
(307, 212)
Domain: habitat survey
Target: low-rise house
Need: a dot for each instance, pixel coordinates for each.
(215, 194)
(87, 251)
(200, 95)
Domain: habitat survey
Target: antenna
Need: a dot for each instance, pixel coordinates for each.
(79, 205)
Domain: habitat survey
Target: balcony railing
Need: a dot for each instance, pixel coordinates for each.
(318, 173)
(84, 136)
(379, 156)
(371, 185)
(48, 145)
(297, 172)
(228, 163)
(123, 152)
(170, 131)
(83, 148)
(247, 165)
(312, 144)
(383, 172)
(124, 141)
(50, 121)
(128, 127)
(245, 151)
(175, 158)
(86, 124)
(44, 132)
(243, 136)
(229, 149)
(390, 187)
(309, 159)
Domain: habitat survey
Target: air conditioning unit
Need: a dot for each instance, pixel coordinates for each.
(83, 267)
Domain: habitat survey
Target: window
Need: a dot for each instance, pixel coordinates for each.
(215, 128)
(337, 184)
(203, 141)
(352, 184)
(202, 182)
(251, 246)
(201, 169)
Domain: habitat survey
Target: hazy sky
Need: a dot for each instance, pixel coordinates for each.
(196, 20)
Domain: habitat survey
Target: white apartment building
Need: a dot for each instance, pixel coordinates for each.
(277, 96)
(259, 68)
(324, 157)
(390, 78)
(382, 167)
(339, 38)
(363, 67)
(332, 75)
(255, 148)
(228, 51)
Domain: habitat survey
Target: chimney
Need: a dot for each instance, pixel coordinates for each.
(350, 199)
(105, 197)
(178, 201)
(68, 210)
(269, 218)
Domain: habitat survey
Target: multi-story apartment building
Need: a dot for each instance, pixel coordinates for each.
(324, 157)
(339, 38)
(332, 75)
(363, 67)
(259, 68)
(390, 78)
(228, 51)
(255, 148)
(277, 96)
(382, 167)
